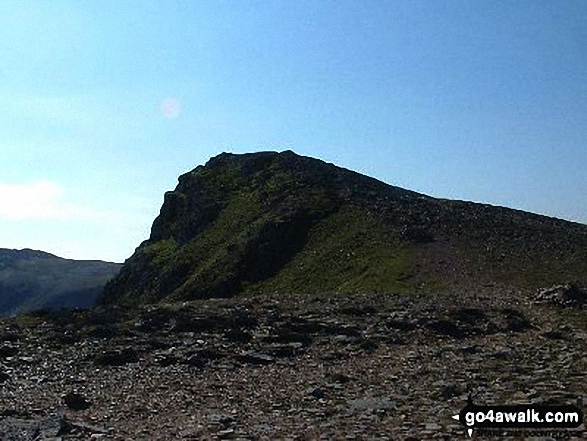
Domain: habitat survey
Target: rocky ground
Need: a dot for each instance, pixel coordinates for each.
(320, 367)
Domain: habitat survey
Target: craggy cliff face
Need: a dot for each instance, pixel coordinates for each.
(279, 222)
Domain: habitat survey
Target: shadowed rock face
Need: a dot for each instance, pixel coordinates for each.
(31, 279)
(279, 222)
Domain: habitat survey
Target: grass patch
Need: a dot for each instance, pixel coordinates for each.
(346, 252)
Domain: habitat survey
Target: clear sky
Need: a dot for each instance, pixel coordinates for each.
(104, 103)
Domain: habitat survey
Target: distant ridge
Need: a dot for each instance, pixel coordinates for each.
(277, 223)
(25, 253)
(32, 279)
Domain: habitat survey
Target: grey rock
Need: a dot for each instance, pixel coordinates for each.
(256, 358)
(317, 393)
(221, 419)
(449, 391)
(567, 295)
(371, 404)
(117, 358)
(17, 429)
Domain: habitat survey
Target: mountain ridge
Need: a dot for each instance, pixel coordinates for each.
(33, 279)
(271, 222)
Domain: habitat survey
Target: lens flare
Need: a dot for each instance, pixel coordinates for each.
(170, 107)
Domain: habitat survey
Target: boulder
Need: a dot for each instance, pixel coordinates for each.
(567, 295)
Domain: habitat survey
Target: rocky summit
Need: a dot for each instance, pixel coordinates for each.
(279, 297)
(283, 223)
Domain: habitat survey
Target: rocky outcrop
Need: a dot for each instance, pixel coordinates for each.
(277, 222)
(567, 295)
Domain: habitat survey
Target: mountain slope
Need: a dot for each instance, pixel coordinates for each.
(279, 222)
(32, 279)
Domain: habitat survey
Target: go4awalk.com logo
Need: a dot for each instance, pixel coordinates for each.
(519, 417)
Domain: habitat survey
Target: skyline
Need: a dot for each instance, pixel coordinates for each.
(106, 104)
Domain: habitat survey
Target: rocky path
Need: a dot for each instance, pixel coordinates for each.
(253, 368)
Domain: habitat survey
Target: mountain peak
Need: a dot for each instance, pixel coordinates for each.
(276, 222)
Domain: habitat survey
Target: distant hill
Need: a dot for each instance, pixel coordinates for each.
(31, 279)
(279, 223)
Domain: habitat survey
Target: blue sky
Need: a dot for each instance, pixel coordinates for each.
(105, 103)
